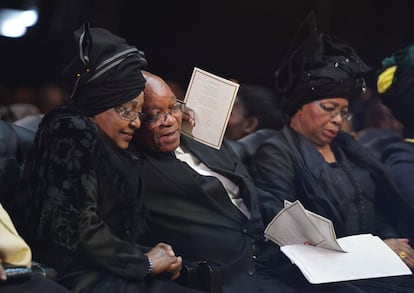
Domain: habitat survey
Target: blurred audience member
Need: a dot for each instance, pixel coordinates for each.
(396, 89)
(5, 95)
(49, 97)
(380, 128)
(18, 111)
(255, 117)
(256, 107)
(379, 116)
(22, 110)
(24, 94)
(21, 104)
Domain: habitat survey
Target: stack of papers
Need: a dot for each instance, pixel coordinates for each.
(309, 241)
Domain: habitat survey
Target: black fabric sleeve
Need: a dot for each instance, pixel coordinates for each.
(274, 180)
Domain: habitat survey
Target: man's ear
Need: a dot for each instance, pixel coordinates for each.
(250, 125)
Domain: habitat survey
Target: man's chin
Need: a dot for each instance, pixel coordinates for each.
(169, 147)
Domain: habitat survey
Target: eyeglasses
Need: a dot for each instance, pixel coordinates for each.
(331, 111)
(127, 112)
(159, 118)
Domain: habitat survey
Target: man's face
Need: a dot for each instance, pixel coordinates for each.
(162, 127)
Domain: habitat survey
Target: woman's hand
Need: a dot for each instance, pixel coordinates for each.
(403, 249)
(164, 261)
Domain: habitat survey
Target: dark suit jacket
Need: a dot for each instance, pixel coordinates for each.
(196, 216)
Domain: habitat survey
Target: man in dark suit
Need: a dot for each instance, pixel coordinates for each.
(200, 200)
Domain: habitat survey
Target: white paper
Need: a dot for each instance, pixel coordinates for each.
(330, 259)
(296, 225)
(367, 257)
(212, 99)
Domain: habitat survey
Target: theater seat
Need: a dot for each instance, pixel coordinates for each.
(10, 172)
(8, 140)
(15, 142)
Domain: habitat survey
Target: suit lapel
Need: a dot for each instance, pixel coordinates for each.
(181, 176)
(208, 155)
(225, 164)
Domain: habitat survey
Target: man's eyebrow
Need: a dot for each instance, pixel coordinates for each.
(155, 107)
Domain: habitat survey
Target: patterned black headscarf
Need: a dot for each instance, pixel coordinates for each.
(106, 72)
(318, 66)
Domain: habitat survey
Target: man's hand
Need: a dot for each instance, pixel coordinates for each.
(164, 261)
(188, 121)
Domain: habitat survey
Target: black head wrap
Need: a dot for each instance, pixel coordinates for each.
(105, 73)
(318, 66)
(395, 85)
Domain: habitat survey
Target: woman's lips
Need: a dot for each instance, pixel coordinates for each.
(330, 133)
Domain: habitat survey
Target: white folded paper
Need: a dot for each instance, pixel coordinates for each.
(309, 241)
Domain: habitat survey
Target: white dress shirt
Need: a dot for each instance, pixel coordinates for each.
(232, 189)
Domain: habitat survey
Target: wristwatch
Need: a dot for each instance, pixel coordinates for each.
(149, 269)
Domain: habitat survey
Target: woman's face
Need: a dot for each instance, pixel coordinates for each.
(320, 121)
(113, 124)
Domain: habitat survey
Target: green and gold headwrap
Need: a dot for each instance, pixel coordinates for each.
(394, 66)
(395, 84)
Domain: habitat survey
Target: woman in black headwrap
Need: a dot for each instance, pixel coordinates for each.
(313, 161)
(80, 203)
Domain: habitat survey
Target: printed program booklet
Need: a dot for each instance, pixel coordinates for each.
(211, 98)
(309, 241)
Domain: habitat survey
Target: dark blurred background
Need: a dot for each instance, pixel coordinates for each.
(244, 40)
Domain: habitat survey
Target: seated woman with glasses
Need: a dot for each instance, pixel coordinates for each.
(80, 205)
(313, 161)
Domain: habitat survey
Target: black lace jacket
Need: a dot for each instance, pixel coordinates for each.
(81, 196)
